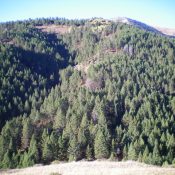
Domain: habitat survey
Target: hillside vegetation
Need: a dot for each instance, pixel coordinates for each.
(100, 90)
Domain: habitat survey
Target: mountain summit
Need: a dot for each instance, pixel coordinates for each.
(141, 25)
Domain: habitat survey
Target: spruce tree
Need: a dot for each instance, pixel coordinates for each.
(26, 133)
(33, 150)
(140, 157)
(113, 153)
(15, 160)
(7, 162)
(83, 133)
(101, 145)
(11, 146)
(27, 160)
(47, 154)
(156, 157)
(132, 152)
(74, 149)
(2, 152)
(170, 156)
(89, 154)
(27, 106)
(60, 119)
(125, 152)
(62, 152)
(54, 145)
(145, 155)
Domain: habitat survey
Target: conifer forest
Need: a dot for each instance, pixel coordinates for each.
(85, 89)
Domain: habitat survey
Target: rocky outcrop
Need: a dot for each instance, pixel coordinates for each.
(129, 49)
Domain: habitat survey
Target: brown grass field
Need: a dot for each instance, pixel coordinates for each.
(58, 29)
(93, 168)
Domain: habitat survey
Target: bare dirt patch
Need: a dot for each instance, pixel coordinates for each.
(7, 41)
(58, 29)
(166, 31)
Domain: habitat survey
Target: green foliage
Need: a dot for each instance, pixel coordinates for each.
(26, 160)
(113, 155)
(156, 159)
(89, 93)
(47, 152)
(62, 152)
(29, 68)
(132, 153)
(101, 145)
(26, 133)
(33, 150)
(89, 153)
(74, 149)
(6, 162)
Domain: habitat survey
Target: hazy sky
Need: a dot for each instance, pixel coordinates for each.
(153, 12)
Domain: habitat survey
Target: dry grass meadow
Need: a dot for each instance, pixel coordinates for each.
(58, 29)
(93, 168)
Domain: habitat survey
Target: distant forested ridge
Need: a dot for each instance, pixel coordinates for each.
(85, 89)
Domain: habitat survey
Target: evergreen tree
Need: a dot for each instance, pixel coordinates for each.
(6, 163)
(132, 153)
(27, 106)
(156, 158)
(113, 153)
(125, 152)
(1, 148)
(47, 154)
(15, 160)
(83, 133)
(27, 160)
(74, 149)
(140, 157)
(101, 145)
(26, 133)
(145, 155)
(54, 145)
(60, 119)
(62, 152)
(33, 150)
(89, 154)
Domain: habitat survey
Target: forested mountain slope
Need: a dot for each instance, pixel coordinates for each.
(102, 89)
(30, 63)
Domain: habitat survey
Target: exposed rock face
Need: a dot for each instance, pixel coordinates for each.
(128, 49)
(93, 84)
